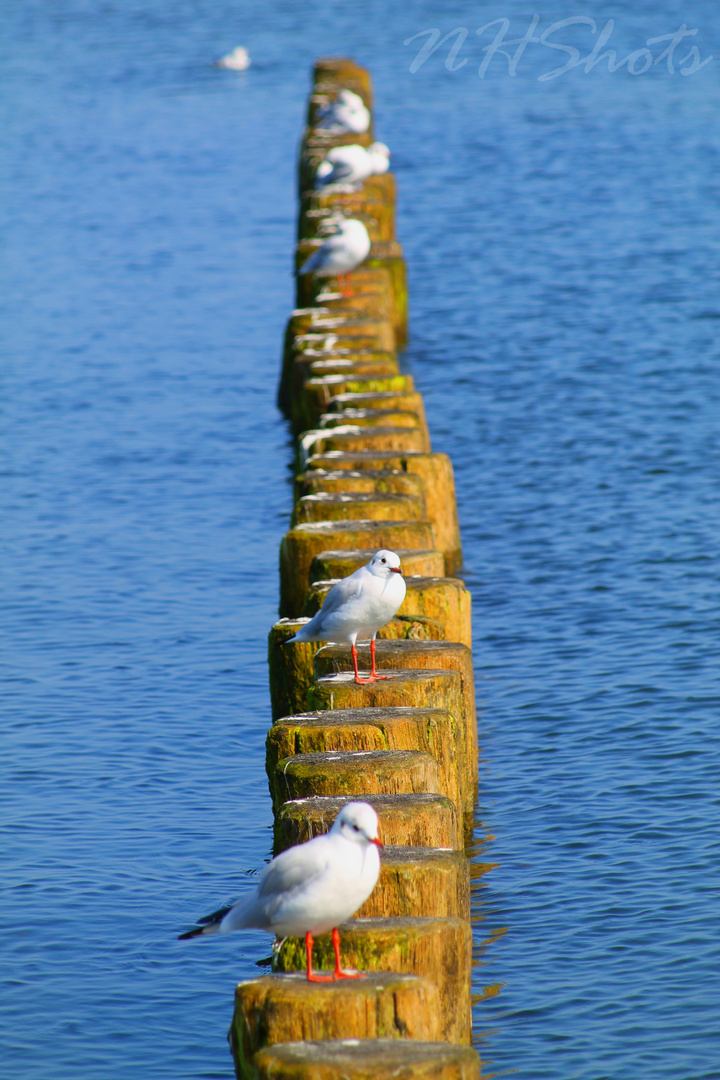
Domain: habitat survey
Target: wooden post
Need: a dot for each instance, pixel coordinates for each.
(317, 393)
(356, 773)
(354, 505)
(387, 481)
(339, 563)
(291, 668)
(376, 1059)
(352, 437)
(426, 730)
(438, 948)
(437, 475)
(406, 656)
(287, 1008)
(418, 881)
(405, 820)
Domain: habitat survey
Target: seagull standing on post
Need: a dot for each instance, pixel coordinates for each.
(340, 253)
(348, 114)
(311, 888)
(357, 607)
(352, 164)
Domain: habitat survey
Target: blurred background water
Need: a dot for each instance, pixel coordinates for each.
(562, 242)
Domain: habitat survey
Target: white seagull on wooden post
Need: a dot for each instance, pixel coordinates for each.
(358, 606)
(348, 114)
(340, 253)
(311, 888)
(352, 164)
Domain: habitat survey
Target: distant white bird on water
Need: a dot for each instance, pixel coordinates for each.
(348, 114)
(352, 164)
(311, 888)
(237, 60)
(358, 606)
(341, 252)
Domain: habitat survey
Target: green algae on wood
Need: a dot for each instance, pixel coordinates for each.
(356, 773)
(405, 820)
(440, 949)
(305, 365)
(291, 667)
(318, 392)
(430, 731)
(436, 688)
(407, 656)
(287, 1008)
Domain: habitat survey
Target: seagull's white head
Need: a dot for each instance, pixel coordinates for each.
(384, 563)
(380, 156)
(358, 822)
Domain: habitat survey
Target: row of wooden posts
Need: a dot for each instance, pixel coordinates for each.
(368, 479)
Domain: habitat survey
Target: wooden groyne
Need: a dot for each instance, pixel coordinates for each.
(367, 478)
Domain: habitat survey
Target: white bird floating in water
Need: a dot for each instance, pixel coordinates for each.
(352, 164)
(358, 606)
(237, 60)
(311, 888)
(347, 114)
(341, 252)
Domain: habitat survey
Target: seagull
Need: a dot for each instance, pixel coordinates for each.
(311, 888)
(341, 252)
(358, 606)
(347, 114)
(352, 164)
(237, 60)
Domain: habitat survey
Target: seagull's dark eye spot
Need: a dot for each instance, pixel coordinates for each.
(355, 827)
(383, 560)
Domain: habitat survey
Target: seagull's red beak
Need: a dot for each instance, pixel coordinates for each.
(395, 570)
(378, 842)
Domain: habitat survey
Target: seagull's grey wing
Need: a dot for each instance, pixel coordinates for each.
(341, 169)
(348, 589)
(295, 868)
(333, 248)
(322, 256)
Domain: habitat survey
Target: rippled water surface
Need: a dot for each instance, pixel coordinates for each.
(562, 238)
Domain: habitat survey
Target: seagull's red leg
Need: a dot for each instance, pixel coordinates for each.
(338, 973)
(373, 672)
(358, 680)
(311, 976)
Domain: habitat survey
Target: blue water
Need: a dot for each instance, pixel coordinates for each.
(562, 240)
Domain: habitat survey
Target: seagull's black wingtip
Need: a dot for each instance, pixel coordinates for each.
(191, 933)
